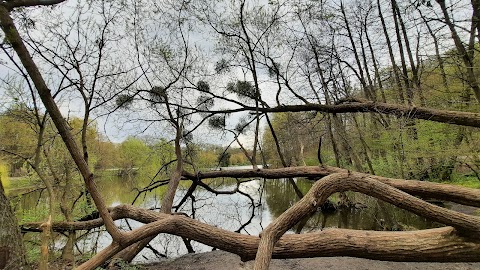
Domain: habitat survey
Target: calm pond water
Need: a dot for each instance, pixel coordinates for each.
(234, 212)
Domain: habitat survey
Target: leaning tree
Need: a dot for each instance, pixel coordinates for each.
(251, 28)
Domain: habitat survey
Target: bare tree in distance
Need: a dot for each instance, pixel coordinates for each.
(167, 95)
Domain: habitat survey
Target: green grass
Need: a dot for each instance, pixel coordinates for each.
(22, 182)
(469, 181)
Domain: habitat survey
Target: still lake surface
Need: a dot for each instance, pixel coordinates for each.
(234, 212)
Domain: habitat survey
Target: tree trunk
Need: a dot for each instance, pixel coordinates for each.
(413, 67)
(12, 252)
(361, 76)
(390, 52)
(374, 61)
(424, 245)
(320, 191)
(11, 33)
(362, 106)
(424, 189)
(66, 208)
(282, 158)
(441, 65)
(466, 57)
(403, 62)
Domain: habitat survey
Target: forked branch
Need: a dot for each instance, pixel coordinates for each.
(338, 182)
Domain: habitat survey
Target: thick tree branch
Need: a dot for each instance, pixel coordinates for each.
(338, 182)
(462, 195)
(361, 106)
(424, 245)
(29, 3)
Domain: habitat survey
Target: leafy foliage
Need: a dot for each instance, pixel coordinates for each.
(243, 89)
(4, 175)
(221, 66)
(158, 94)
(204, 102)
(203, 86)
(224, 159)
(217, 122)
(124, 101)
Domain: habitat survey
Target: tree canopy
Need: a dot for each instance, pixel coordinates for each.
(366, 93)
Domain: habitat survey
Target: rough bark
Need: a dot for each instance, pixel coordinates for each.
(12, 252)
(424, 189)
(362, 106)
(438, 242)
(315, 244)
(424, 245)
(319, 193)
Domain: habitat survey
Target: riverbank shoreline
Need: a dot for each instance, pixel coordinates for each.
(224, 260)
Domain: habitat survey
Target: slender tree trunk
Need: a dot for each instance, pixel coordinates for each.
(282, 158)
(476, 17)
(65, 207)
(364, 146)
(366, 90)
(327, 100)
(374, 61)
(245, 153)
(333, 140)
(128, 254)
(367, 71)
(413, 66)
(15, 40)
(403, 61)
(441, 64)
(345, 141)
(466, 57)
(390, 52)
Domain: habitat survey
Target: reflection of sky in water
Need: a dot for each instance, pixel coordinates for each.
(225, 211)
(231, 211)
(271, 198)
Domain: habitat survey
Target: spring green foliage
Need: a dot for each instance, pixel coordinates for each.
(395, 146)
(4, 179)
(298, 136)
(206, 156)
(224, 159)
(132, 156)
(17, 135)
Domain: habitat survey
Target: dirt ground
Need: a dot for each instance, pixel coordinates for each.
(224, 260)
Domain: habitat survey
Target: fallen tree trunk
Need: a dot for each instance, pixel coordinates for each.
(361, 106)
(457, 194)
(424, 245)
(337, 182)
(434, 243)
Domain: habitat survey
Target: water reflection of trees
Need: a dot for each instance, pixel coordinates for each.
(243, 206)
(366, 213)
(280, 194)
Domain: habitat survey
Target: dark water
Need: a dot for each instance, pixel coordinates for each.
(235, 212)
